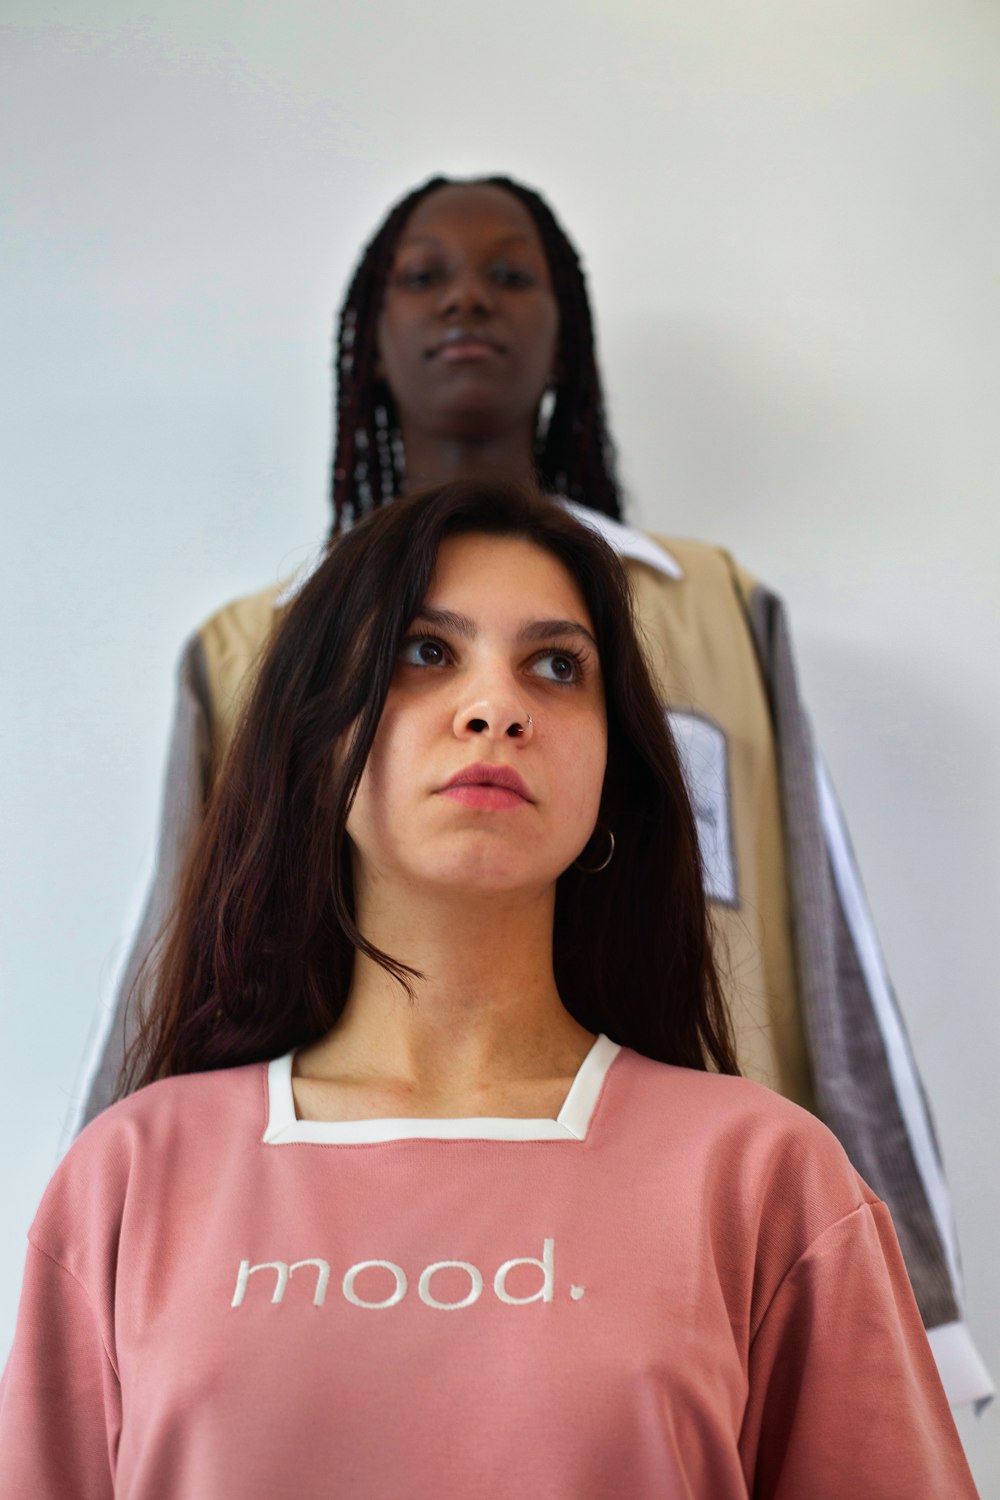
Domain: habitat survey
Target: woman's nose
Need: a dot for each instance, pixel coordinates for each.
(494, 716)
(466, 292)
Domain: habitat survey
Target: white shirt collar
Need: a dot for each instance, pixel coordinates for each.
(571, 1124)
(626, 542)
(298, 580)
(622, 539)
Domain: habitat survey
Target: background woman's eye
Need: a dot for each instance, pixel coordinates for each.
(512, 276)
(415, 278)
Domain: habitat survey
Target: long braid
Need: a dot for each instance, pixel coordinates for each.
(364, 464)
(574, 454)
(576, 457)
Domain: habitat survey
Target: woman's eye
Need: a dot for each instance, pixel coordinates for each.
(415, 278)
(422, 651)
(512, 276)
(557, 666)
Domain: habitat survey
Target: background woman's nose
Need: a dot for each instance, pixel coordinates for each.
(466, 291)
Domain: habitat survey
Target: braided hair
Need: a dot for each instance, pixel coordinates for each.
(574, 455)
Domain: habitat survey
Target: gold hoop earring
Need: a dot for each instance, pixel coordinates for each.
(596, 869)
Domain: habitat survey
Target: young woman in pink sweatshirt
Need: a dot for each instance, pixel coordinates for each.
(442, 1182)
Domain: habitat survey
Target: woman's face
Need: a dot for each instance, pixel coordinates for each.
(487, 767)
(469, 326)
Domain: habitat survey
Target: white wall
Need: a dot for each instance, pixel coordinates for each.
(790, 217)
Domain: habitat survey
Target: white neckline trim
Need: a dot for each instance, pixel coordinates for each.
(571, 1124)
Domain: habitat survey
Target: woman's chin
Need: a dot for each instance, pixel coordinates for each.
(474, 878)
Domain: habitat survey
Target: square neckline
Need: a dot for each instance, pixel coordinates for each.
(571, 1124)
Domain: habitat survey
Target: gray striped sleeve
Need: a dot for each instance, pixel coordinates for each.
(885, 1129)
(186, 785)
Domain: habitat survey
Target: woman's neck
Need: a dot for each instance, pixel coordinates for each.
(430, 461)
(485, 1010)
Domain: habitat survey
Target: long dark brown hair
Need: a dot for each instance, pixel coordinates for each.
(259, 955)
(574, 455)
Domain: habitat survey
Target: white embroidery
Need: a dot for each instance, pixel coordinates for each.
(247, 1270)
(322, 1277)
(547, 1268)
(475, 1288)
(704, 754)
(284, 1272)
(391, 1301)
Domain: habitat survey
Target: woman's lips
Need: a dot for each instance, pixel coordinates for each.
(460, 346)
(487, 786)
(485, 796)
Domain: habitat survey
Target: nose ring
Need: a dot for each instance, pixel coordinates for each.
(516, 730)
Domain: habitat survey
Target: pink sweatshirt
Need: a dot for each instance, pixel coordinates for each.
(679, 1288)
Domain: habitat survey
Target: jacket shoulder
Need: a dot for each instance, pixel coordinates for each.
(230, 645)
(707, 563)
(244, 621)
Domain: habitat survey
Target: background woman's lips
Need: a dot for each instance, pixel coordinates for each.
(458, 350)
(465, 343)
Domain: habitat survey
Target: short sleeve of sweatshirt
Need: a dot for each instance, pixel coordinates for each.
(843, 1396)
(60, 1406)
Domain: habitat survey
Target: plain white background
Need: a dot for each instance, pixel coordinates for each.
(789, 215)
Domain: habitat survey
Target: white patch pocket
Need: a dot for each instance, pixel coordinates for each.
(704, 755)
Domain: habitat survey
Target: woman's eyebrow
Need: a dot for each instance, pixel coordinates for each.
(541, 630)
(445, 619)
(530, 630)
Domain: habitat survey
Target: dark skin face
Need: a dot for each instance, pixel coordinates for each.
(468, 335)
